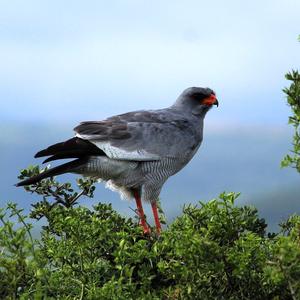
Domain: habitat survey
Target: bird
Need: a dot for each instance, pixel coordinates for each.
(136, 152)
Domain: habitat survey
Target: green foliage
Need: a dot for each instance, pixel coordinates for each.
(293, 100)
(214, 250)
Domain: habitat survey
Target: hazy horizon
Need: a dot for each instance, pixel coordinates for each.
(241, 160)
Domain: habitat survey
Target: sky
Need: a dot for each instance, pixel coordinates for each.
(68, 61)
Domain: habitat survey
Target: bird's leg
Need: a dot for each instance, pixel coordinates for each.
(141, 213)
(156, 217)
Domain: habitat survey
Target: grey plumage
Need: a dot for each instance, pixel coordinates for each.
(137, 151)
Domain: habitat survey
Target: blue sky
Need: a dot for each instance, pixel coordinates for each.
(67, 61)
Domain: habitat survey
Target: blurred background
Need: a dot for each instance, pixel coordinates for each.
(63, 62)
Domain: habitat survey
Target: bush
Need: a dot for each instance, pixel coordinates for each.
(215, 250)
(293, 100)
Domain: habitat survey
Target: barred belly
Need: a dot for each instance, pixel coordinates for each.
(104, 168)
(156, 173)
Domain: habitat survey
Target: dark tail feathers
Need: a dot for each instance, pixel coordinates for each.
(64, 168)
(72, 148)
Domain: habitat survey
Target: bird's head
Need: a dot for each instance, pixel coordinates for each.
(198, 100)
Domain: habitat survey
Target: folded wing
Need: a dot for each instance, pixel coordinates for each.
(140, 135)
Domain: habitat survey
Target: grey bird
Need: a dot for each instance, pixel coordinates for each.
(136, 152)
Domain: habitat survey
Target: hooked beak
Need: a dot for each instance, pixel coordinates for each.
(211, 100)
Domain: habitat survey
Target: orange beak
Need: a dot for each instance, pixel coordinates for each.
(211, 100)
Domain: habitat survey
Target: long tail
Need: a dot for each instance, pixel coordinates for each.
(61, 169)
(72, 148)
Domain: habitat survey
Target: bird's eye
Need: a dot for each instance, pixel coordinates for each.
(200, 96)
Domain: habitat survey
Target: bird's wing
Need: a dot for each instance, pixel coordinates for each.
(140, 135)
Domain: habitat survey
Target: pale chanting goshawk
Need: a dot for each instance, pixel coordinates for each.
(136, 152)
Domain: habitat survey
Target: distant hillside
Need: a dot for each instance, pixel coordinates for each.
(245, 160)
(275, 206)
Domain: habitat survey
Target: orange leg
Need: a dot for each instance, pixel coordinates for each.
(156, 217)
(141, 212)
